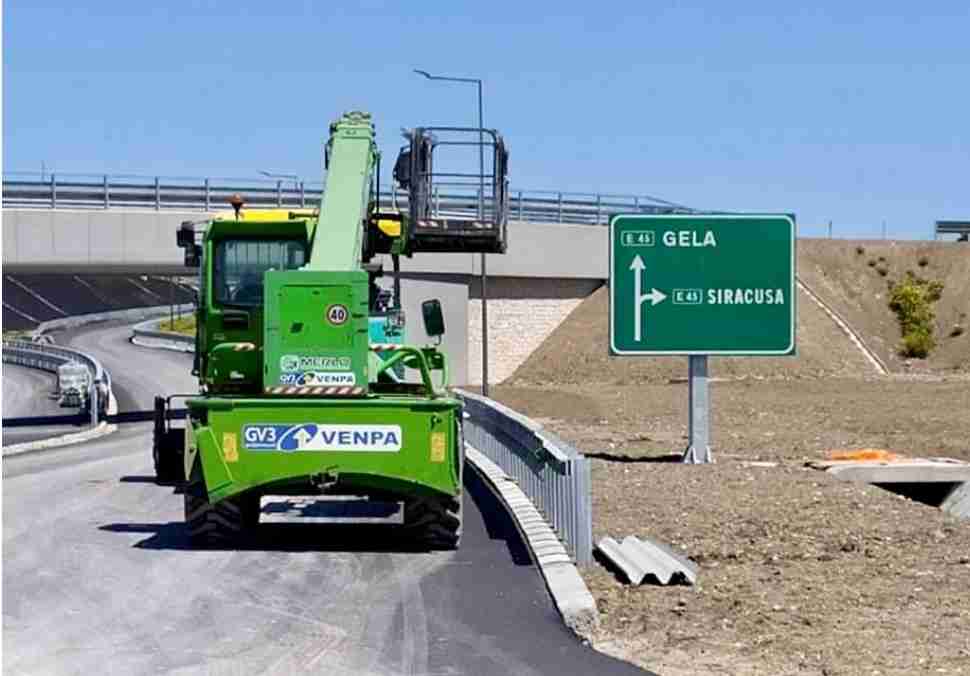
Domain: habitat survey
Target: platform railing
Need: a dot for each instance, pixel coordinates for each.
(553, 474)
(89, 191)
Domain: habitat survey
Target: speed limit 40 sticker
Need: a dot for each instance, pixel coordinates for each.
(337, 314)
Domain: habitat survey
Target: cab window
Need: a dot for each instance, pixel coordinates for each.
(239, 265)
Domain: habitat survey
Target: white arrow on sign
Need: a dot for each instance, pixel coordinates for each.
(655, 296)
(302, 437)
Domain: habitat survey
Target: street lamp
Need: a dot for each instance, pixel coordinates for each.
(481, 210)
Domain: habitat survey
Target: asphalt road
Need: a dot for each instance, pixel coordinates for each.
(25, 393)
(98, 576)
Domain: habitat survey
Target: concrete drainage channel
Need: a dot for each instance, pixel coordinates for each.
(543, 483)
(940, 482)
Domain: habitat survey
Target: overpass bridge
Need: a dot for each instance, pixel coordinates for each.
(126, 223)
(83, 225)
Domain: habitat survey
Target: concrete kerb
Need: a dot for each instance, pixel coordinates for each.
(148, 334)
(132, 314)
(96, 432)
(570, 594)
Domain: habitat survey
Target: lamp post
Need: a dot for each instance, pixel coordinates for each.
(481, 210)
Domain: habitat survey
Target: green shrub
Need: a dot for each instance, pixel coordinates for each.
(917, 345)
(911, 299)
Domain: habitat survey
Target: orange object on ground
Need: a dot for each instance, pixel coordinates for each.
(862, 454)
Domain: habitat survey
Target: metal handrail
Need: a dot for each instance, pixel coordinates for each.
(106, 191)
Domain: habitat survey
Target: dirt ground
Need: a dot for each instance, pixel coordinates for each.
(847, 275)
(799, 573)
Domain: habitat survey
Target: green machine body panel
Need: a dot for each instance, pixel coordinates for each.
(315, 329)
(396, 445)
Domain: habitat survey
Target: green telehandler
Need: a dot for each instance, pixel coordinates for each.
(307, 386)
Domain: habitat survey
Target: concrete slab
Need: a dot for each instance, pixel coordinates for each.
(906, 472)
(957, 502)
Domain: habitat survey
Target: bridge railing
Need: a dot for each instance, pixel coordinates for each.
(959, 228)
(88, 191)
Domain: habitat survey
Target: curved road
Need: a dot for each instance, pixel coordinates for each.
(98, 578)
(25, 393)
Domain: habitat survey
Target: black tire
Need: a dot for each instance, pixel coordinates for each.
(225, 523)
(434, 523)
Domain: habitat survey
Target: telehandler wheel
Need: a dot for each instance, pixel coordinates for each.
(434, 522)
(223, 523)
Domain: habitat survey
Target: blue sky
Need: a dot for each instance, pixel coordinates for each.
(849, 111)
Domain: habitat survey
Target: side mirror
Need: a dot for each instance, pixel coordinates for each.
(193, 256)
(185, 238)
(434, 320)
(402, 168)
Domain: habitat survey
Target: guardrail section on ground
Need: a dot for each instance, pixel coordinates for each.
(554, 475)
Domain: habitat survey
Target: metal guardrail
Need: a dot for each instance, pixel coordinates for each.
(554, 475)
(961, 228)
(26, 189)
(48, 357)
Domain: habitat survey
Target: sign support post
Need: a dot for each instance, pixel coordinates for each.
(702, 285)
(699, 445)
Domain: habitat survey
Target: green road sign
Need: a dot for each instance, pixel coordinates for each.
(702, 284)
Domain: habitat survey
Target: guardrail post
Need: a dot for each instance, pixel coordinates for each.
(302, 195)
(520, 206)
(53, 191)
(279, 193)
(584, 545)
(597, 209)
(93, 401)
(158, 195)
(437, 201)
(636, 204)
(206, 184)
(107, 193)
